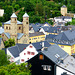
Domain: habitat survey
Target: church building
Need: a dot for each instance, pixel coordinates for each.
(17, 30)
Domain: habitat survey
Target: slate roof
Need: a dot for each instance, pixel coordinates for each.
(14, 50)
(68, 64)
(9, 22)
(50, 36)
(0, 40)
(35, 34)
(38, 45)
(22, 46)
(66, 35)
(46, 28)
(19, 35)
(13, 15)
(1, 30)
(36, 28)
(54, 29)
(64, 6)
(7, 34)
(56, 54)
(18, 48)
(25, 15)
(54, 50)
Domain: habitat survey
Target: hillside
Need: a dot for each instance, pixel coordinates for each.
(38, 10)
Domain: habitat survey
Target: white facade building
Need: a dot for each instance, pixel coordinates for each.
(1, 12)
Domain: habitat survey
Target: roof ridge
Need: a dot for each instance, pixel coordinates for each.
(65, 35)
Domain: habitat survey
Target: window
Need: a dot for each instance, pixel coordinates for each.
(26, 18)
(72, 46)
(72, 51)
(41, 57)
(46, 67)
(32, 53)
(62, 46)
(24, 53)
(22, 60)
(6, 27)
(19, 28)
(28, 52)
(9, 28)
(26, 22)
(15, 19)
(30, 46)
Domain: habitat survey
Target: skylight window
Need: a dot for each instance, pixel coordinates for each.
(57, 55)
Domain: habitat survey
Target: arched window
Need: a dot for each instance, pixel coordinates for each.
(6, 27)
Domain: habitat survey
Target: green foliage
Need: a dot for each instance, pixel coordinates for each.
(0, 24)
(68, 23)
(9, 43)
(71, 23)
(13, 69)
(3, 58)
(50, 22)
(40, 8)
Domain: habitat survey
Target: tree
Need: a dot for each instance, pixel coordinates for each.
(13, 69)
(9, 43)
(0, 24)
(28, 6)
(39, 9)
(3, 58)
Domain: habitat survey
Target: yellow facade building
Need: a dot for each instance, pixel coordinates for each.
(36, 37)
(65, 40)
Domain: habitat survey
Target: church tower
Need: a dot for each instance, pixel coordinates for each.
(13, 27)
(26, 27)
(64, 10)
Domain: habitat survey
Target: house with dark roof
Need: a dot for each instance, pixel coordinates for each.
(1, 44)
(50, 30)
(66, 40)
(22, 52)
(52, 61)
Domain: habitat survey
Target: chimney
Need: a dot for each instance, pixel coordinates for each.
(42, 44)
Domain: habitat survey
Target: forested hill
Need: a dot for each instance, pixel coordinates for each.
(38, 10)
